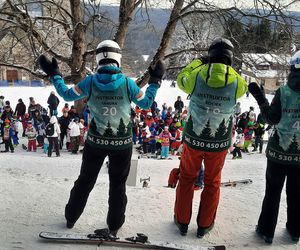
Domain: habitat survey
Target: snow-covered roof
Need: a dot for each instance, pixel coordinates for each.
(265, 59)
(253, 62)
(266, 73)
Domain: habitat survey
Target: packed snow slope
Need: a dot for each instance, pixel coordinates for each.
(34, 190)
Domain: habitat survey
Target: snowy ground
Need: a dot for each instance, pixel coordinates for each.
(35, 188)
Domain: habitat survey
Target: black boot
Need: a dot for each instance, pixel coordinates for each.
(204, 230)
(267, 239)
(183, 228)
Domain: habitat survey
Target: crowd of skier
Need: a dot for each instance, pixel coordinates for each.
(157, 131)
(41, 126)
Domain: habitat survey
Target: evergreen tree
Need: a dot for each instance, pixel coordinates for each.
(294, 146)
(128, 128)
(275, 144)
(121, 130)
(221, 130)
(108, 132)
(93, 127)
(190, 127)
(206, 133)
(229, 128)
(263, 35)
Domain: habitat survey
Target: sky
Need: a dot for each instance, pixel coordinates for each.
(218, 3)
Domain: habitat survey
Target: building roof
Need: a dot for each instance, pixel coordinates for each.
(265, 59)
(252, 62)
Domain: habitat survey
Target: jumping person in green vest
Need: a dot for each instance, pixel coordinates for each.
(109, 95)
(214, 88)
(283, 154)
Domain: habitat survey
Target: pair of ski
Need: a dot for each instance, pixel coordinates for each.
(229, 183)
(235, 183)
(156, 157)
(103, 237)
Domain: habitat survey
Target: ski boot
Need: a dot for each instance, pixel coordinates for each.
(183, 228)
(201, 231)
(267, 239)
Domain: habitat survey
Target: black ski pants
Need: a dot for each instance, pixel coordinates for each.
(53, 143)
(259, 142)
(63, 134)
(275, 177)
(118, 170)
(237, 151)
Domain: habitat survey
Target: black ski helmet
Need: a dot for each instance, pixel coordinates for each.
(220, 49)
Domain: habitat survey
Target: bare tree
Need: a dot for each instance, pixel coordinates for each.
(68, 30)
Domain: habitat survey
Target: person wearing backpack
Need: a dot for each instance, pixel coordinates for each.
(75, 127)
(110, 94)
(52, 131)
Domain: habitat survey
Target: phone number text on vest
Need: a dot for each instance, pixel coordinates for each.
(99, 141)
(282, 157)
(205, 144)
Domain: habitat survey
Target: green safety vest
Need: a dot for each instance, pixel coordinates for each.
(210, 117)
(284, 142)
(110, 123)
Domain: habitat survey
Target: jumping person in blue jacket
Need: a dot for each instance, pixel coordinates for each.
(109, 94)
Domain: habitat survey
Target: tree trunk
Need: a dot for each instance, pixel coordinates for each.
(77, 63)
(165, 41)
(125, 13)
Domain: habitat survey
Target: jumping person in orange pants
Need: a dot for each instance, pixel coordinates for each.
(214, 88)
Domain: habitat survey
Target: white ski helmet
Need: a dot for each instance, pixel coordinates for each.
(108, 51)
(295, 60)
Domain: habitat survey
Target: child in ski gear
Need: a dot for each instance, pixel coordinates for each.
(75, 127)
(65, 108)
(31, 135)
(64, 122)
(178, 138)
(282, 154)
(214, 88)
(149, 119)
(248, 134)
(145, 138)
(45, 146)
(238, 144)
(83, 131)
(152, 142)
(165, 137)
(109, 95)
(52, 133)
(7, 136)
(15, 131)
(259, 131)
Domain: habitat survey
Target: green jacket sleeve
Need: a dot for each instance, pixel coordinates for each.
(242, 87)
(186, 79)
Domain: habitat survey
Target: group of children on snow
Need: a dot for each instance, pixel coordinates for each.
(41, 130)
(248, 130)
(158, 132)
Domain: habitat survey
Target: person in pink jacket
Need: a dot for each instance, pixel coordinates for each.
(165, 137)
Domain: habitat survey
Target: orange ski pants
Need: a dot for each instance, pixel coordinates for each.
(190, 164)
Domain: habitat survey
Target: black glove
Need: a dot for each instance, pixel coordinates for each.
(258, 93)
(50, 68)
(156, 72)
